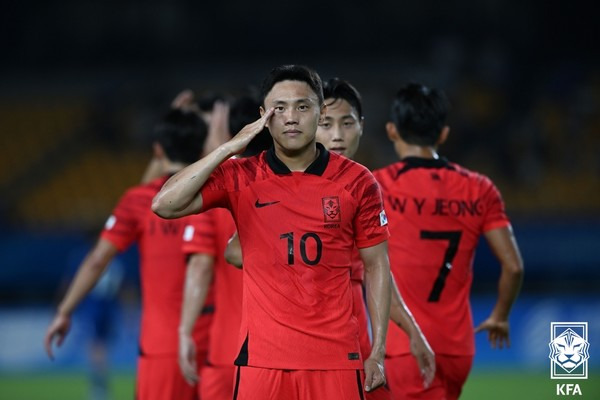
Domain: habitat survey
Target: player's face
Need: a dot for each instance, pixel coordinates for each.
(296, 116)
(341, 128)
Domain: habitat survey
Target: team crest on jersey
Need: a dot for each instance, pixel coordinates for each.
(331, 209)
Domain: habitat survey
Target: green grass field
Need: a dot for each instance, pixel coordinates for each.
(480, 386)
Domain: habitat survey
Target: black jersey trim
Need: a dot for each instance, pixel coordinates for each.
(316, 168)
(237, 383)
(420, 162)
(242, 358)
(360, 388)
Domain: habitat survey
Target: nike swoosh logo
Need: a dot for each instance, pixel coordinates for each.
(261, 205)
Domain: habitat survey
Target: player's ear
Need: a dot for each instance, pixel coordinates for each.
(323, 112)
(443, 135)
(362, 125)
(158, 150)
(392, 131)
(261, 110)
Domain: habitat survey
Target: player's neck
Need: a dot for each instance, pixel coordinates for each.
(298, 160)
(410, 150)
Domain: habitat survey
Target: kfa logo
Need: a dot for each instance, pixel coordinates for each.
(569, 350)
(331, 209)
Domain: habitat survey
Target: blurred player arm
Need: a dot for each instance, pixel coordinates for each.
(199, 274)
(233, 251)
(377, 282)
(88, 274)
(183, 101)
(218, 129)
(419, 347)
(505, 248)
(180, 195)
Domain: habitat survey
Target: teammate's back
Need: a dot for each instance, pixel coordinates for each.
(437, 211)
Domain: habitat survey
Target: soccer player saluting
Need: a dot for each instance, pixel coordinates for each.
(340, 131)
(300, 210)
(437, 212)
(205, 240)
(179, 140)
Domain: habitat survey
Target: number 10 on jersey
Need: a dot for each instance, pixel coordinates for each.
(292, 245)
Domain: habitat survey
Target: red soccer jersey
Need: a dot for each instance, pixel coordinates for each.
(208, 233)
(162, 267)
(437, 211)
(297, 231)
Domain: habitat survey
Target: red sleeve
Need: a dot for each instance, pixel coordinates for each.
(495, 215)
(370, 221)
(199, 234)
(123, 226)
(215, 192)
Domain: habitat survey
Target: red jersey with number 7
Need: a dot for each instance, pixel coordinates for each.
(437, 212)
(298, 231)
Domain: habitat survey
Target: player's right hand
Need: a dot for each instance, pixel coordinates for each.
(239, 142)
(187, 359)
(498, 331)
(58, 329)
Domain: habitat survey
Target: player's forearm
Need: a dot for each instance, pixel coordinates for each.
(197, 283)
(88, 275)
(509, 286)
(400, 314)
(377, 279)
(179, 195)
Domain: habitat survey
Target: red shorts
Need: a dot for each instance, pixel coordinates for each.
(253, 383)
(159, 378)
(405, 380)
(216, 383)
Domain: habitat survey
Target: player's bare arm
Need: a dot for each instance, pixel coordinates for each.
(180, 194)
(198, 276)
(505, 248)
(88, 274)
(233, 251)
(419, 346)
(377, 282)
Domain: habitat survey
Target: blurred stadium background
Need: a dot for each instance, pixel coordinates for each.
(83, 82)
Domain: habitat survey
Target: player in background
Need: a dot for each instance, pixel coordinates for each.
(205, 240)
(340, 131)
(437, 211)
(179, 140)
(299, 210)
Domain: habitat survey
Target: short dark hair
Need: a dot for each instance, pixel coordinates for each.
(336, 88)
(292, 73)
(419, 114)
(181, 135)
(243, 111)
